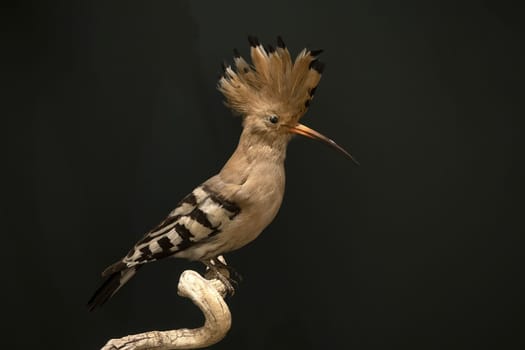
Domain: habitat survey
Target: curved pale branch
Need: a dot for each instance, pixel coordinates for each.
(208, 295)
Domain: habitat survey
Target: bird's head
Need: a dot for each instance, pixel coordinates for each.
(274, 92)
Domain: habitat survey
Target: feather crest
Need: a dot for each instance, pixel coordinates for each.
(272, 80)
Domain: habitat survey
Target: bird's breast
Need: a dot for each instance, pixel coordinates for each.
(259, 199)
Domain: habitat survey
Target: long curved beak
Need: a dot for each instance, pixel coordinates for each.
(303, 130)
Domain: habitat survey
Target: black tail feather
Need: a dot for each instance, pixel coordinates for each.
(110, 286)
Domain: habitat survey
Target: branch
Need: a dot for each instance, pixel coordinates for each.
(208, 295)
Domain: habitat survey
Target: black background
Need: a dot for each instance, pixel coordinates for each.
(112, 117)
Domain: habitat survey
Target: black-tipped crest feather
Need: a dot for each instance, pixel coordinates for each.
(273, 80)
(253, 40)
(280, 42)
(317, 66)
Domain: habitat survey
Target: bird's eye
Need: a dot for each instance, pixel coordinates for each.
(273, 119)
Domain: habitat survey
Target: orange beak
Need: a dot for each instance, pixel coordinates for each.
(301, 129)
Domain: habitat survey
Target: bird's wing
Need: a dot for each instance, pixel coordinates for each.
(199, 216)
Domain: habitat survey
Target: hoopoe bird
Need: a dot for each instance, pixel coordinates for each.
(232, 208)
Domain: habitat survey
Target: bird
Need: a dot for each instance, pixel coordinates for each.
(233, 207)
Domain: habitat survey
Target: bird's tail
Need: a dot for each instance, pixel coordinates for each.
(117, 275)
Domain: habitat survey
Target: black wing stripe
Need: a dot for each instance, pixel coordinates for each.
(190, 199)
(145, 254)
(168, 223)
(165, 243)
(201, 217)
(161, 229)
(223, 202)
(183, 232)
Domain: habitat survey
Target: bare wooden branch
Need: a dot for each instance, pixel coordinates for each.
(208, 295)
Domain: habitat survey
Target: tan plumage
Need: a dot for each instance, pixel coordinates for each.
(233, 207)
(272, 81)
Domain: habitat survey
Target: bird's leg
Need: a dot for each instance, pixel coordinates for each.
(220, 273)
(234, 275)
(219, 270)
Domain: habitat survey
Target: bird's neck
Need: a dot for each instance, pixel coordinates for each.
(256, 152)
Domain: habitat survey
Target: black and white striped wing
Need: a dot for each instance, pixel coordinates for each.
(199, 216)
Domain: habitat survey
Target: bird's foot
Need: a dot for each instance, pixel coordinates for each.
(221, 271)
(234, 275)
